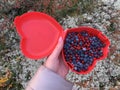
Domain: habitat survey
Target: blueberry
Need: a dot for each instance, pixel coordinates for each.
(73, 58)
(82, 55)
(80, 43)
(79, 69)
(75, 44)
(81, 58)
(74, 62)
(80, 52)
(67, 45)
(85, 59)
(94, 38)
(72, 42)
(79, 64)
(86, 55)
(67, 40)
(85, 67)
(90, 39)
(97, 56)
(91, 51)
(84, 33)
(68, 36)
(84, 49)
(90, 61)
(76, 38)
(75, 68)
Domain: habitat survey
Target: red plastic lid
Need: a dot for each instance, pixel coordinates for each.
(39, 34)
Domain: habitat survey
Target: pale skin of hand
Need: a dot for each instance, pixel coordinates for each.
(55, 61)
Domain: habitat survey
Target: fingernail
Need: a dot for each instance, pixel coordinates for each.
(65, 30)
(60, 39)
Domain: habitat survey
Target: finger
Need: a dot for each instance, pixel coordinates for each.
(58, 48)
(65, 31)
(52, 60)
(63, 63)
(63, 71)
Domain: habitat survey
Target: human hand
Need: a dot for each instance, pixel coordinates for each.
(55, 61)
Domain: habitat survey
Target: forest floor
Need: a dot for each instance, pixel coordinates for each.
(16, 69)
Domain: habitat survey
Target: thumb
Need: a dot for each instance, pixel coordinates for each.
(58, 48)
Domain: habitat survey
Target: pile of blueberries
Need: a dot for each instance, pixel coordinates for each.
(81, 48)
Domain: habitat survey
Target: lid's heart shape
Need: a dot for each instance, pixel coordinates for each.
(39, 34)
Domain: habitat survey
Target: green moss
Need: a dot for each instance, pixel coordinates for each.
(112, 27)
(101, 85)
(2, 46)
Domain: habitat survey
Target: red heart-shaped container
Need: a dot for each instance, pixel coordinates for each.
(40, 32)
(95, 32)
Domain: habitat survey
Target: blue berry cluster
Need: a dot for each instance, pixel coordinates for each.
(81, 48)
